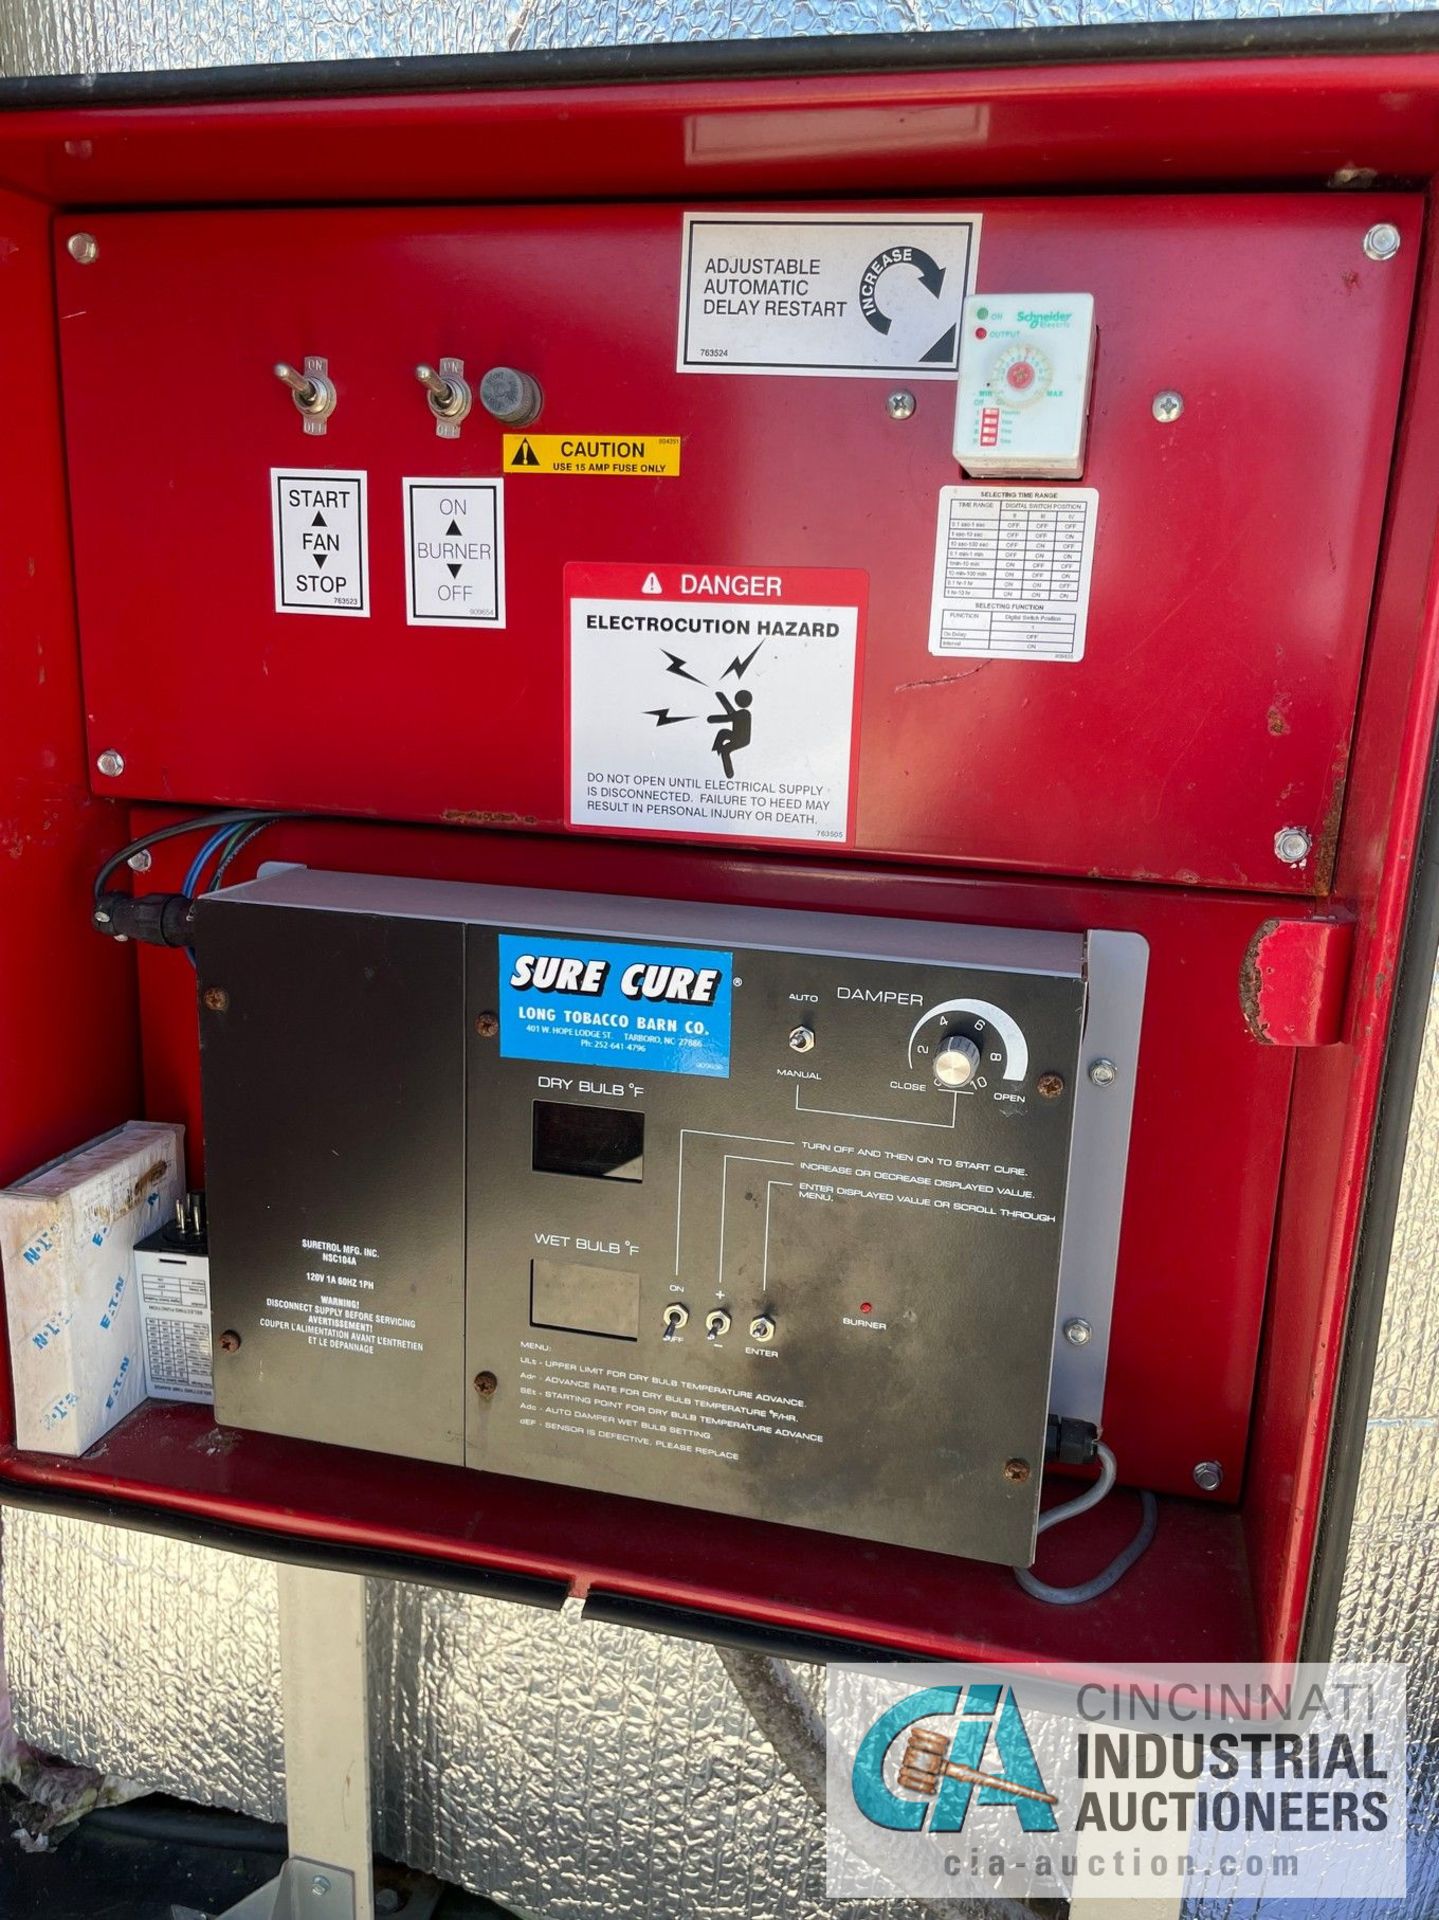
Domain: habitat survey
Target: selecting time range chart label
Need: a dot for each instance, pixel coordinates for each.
(1012, 570)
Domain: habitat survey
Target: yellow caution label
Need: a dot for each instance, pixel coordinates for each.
(647, 455)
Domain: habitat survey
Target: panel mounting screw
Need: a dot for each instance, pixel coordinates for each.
(111, 764)
(319, 1886)
(216, 999)
(1292, 845)
(1167, 406)
(1078, 1332)
(84, 248)
(801, 1039)
(141, 862)
(1049, 1086)
(1207, 1475)
(1017, 1471)
(487, 1025)
(1382, 242)
(485, 1384)
(1103, 1072)
(901, 405)
(229, 1341)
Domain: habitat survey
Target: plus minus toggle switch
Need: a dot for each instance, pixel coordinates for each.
(1025, 363)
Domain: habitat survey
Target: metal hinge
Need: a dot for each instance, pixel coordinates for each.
(1294, 981)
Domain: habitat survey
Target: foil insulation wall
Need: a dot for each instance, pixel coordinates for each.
(566, 1768)
(119, 36)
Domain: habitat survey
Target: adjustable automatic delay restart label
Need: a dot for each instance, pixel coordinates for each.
(714, 700)
(873, 293)
(601, 1003)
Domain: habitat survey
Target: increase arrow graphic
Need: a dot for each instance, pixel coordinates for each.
(931, 278)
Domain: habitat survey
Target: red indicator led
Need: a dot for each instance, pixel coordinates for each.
(981, 333)
(866, 1306)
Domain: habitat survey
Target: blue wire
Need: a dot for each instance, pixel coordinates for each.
(197, 865)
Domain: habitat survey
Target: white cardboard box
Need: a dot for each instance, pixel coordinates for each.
(67, 1236)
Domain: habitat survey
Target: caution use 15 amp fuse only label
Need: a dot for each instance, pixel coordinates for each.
(868, 293)
(714, 700)
(640, 456)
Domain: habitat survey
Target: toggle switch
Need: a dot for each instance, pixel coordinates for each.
(312, 391)
(761, 1328)
(717, 1323)
(448, 393)
(676, 1316)
(512, 398)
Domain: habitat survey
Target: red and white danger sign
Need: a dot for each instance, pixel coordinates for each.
(714, 700)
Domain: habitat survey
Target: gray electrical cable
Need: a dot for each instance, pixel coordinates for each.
(1118, 1567)
(784, 1714)
(794, 1727)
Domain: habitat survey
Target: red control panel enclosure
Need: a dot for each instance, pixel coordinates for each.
(1261, 656)
(1234, 558)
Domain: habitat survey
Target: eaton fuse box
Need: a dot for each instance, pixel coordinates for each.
(717, 1208)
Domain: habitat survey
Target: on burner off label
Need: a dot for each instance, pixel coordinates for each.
(714, 700)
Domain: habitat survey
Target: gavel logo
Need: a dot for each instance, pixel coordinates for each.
(924, 1765)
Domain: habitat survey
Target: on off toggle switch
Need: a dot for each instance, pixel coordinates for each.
(956, 1063)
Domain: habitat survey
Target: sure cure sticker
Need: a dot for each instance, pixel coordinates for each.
(603, 1003)
(716, 701)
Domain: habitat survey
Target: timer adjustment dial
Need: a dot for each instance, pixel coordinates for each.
(1020, 375)
(956, 1062)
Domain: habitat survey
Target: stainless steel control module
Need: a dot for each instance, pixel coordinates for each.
(759, 1212)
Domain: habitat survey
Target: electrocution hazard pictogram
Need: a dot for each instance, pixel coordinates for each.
(322, 561)
(714, 700)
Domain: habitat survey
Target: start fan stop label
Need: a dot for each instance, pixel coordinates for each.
(716, 701)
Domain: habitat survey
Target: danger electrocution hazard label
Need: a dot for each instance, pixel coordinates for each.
(714, 700)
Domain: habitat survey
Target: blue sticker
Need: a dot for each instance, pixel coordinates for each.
(602, 1003)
